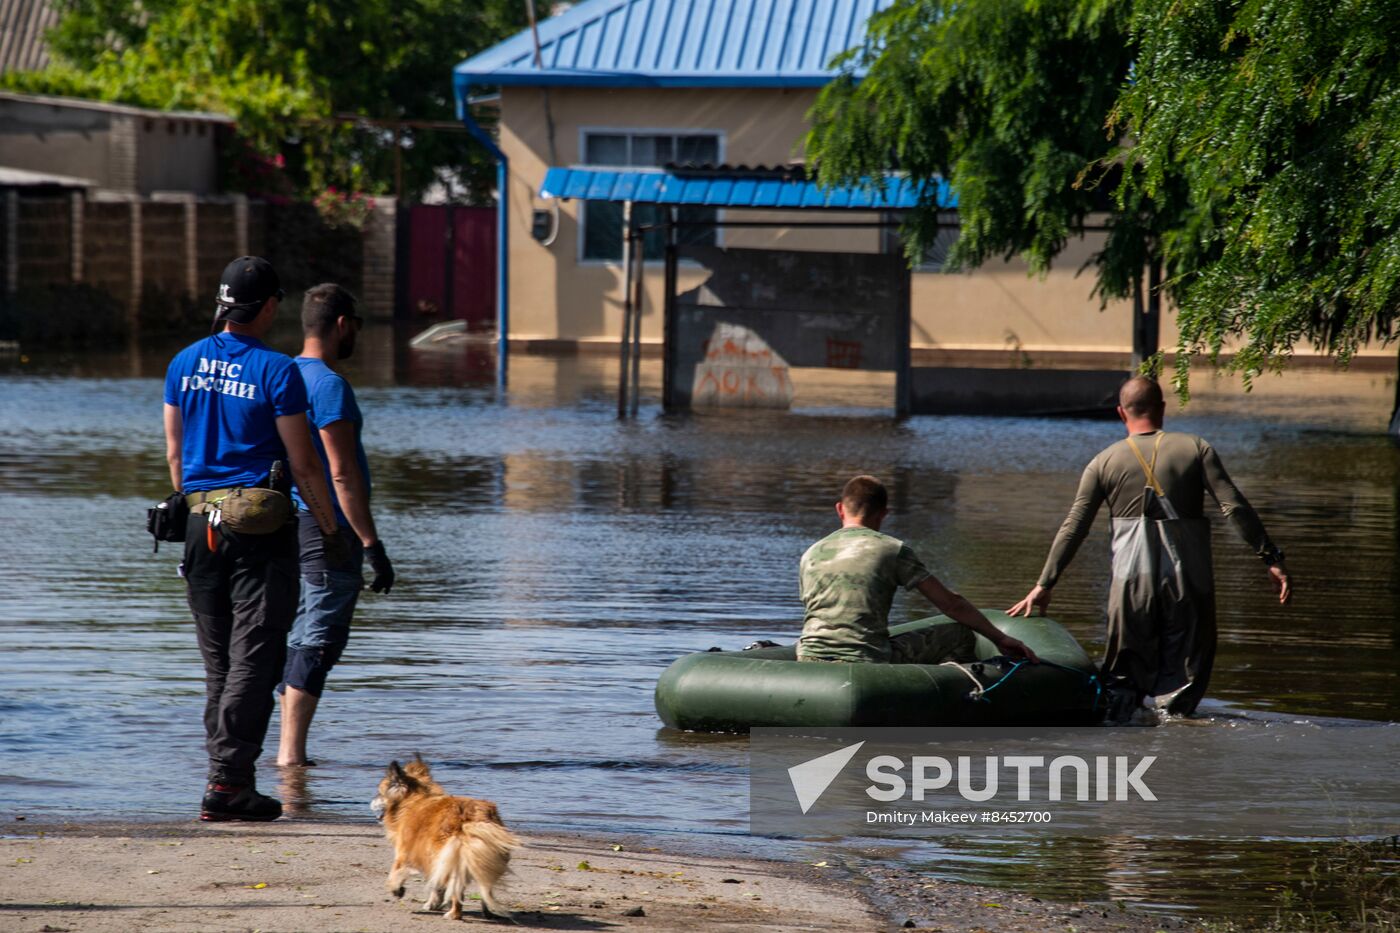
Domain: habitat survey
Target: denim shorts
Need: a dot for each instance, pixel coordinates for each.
(327, 602)
(321, 629)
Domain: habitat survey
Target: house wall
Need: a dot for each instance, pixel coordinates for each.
(554, 295)
(81, 143)
(995, 313)
(119, 151)
(176, 155)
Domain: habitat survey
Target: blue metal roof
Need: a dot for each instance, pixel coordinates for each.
(737, 190)
(678, 43)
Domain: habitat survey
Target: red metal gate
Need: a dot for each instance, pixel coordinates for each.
(450, 263)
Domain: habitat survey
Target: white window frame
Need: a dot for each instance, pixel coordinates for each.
(629, 131)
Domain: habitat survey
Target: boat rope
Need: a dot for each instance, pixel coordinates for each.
(978, 693)
(977, 690)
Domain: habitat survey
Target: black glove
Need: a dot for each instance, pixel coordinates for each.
(383, 570)
(336, 550)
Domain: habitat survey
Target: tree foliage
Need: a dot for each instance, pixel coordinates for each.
(287, 72)
(1250, 148)
(1282, 117)
(1008, 99)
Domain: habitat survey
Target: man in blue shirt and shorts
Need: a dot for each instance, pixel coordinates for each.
(235, 411)
(328, 595)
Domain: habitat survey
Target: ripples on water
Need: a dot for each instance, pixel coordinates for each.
(553, 561)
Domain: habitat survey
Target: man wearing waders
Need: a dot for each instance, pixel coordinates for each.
(1161, 602)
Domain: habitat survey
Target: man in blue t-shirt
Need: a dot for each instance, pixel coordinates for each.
(234, 411)
(328, 594)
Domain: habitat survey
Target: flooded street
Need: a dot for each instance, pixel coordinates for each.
(552, 561)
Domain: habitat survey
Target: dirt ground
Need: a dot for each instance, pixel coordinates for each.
(314, 876)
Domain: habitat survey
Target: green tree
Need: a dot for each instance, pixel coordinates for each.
(1249, 151)
(1282, 118)
(1008, 99)
(289, 73)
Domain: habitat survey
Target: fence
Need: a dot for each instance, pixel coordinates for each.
(78, 266)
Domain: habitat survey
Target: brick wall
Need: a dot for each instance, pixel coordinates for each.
(160, 259)
(107, 248)
(377, 293)
(257, 228)
(121, 153)
(163, 247)
(9, 220)
(216, 242)
(43, 239)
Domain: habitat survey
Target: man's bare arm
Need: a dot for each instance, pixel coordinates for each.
(306, 470)
(956, 607)
(348, 480)
(174, 446)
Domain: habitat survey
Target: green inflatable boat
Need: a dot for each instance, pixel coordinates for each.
(734, 691)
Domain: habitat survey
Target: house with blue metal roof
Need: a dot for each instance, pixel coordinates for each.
(696, 110)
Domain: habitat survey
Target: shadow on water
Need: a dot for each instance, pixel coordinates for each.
(553, 561)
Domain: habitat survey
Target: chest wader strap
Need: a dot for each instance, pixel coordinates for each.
(1148, 468)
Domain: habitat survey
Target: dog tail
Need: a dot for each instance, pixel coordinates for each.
(448, 874)
(486, 849)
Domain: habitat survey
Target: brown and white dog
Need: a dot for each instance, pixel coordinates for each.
(449, 840)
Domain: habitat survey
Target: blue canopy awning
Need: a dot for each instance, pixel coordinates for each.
(711, 189)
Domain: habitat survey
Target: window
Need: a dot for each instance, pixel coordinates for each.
(602, 220)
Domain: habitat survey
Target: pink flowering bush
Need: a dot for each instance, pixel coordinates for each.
(344, 208)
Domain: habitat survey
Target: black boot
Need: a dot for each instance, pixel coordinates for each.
(224, 802)
(1123, 703)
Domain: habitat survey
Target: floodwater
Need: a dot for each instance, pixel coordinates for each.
(553, 560)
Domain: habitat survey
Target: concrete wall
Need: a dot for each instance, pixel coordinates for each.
(1003, 315)
(120, 149)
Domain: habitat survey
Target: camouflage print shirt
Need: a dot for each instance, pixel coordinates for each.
(848, 582)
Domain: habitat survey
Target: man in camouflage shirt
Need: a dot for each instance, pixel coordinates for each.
(848, 583)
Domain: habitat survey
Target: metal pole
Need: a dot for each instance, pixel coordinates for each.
(668, 312)
(398, 161)
(502, 272)
(903, 373)
(1152, 323)
(1139, 331)
(449, 266)
(640, 261)
(624, 343)
(502, 240)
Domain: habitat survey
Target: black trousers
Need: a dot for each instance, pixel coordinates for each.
(244, 597)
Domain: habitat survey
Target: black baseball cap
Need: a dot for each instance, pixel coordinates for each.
(246, 285)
